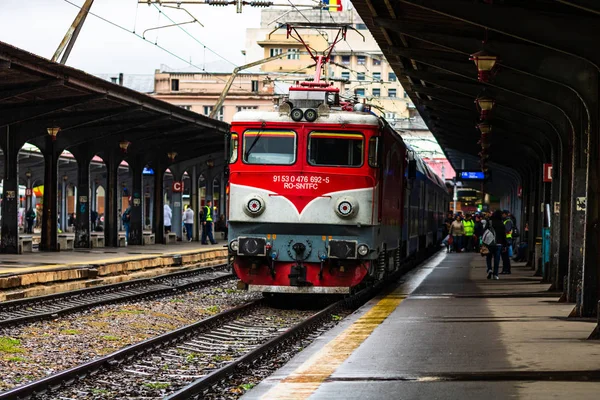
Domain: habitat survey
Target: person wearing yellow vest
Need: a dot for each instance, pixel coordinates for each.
(508, 225)
(207, 223)
(469, 228)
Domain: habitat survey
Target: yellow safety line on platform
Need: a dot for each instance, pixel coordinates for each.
(137, 257)
(307, 378)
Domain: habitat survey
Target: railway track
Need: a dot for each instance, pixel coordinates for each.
(190, 360)
(51, 306)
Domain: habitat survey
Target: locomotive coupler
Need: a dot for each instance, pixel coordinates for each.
(272, 264)
(322, 257)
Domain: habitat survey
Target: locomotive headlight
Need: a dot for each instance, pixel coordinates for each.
(346, 207)
(254, 205)
(363, 249)
(234, 245)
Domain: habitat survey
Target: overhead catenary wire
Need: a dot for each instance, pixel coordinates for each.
(152, 43)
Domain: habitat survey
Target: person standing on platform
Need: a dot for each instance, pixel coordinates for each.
(168, 214)
(126, 218)
(457, 231)
(207, 223)
(469, 228)
(94, 218)
(506, 252)
(29, 218)
(188, 221)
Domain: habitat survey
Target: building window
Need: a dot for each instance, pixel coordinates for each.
(391, 92)
(255, 86)
(360, 92)
(293, 54)
(346, 60)
(376, 76)
(376, 92)
(175, 85)
(405, 95)
(346, 75)
(186, 107)
(360, 76)
(208, 110)
(361, 27)
(275, 52)
(361, 60)
(242, 108)
(376, 61)
(392, 77)
(390, 116)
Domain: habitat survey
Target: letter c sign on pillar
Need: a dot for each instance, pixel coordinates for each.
(178, 187)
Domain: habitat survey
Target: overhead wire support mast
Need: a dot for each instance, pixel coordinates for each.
(222, 3)
(234, 74)
(72, 33)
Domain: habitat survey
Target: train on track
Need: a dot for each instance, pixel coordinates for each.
(325, 197)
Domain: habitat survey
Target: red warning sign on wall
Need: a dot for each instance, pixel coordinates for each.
(547, 172)
(178, 187)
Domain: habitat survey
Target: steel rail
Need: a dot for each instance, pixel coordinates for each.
(205, 383)
(157, 286)
(67, 377)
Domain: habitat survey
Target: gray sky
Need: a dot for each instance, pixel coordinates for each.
(39, 25)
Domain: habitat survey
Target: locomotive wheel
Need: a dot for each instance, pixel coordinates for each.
(381, 266)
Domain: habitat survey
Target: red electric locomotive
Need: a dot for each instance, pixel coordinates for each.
(316, 197)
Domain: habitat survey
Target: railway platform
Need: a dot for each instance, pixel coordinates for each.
(446, 332)
(41, 273)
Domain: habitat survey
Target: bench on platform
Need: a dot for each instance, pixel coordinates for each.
(122, 241)
(25, 244)
(170, 238)
(97, 240)
(65, 242)
(149, 238)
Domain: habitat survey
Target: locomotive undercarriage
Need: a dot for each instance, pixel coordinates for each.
(303, 262)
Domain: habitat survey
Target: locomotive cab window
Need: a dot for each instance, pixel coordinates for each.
(335, 149)
(269, 147)
(374, 151)
(233, 148)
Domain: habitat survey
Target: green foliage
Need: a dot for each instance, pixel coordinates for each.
(10, 345)
(157, 385)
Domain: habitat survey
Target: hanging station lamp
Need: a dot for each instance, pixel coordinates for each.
(485, 64)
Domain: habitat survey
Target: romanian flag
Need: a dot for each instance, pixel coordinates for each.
(334, 5)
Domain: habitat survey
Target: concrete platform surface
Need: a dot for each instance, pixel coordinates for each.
(447, 332)
(42, 273)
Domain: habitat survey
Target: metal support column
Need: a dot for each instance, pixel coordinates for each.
(194, 203)
(111, 233)
(63, 204)
(82, 219)
(10, 194)
(136, 221)
(49, 240)
(158, 227)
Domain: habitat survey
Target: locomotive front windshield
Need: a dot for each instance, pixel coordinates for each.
(269, 147)
(335, 149)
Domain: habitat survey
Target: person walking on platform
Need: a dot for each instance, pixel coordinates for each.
(469, 228)
(457, 231)
(168, 214)
(506, 252)
(496, 226)
(207, 224)
(188, 221)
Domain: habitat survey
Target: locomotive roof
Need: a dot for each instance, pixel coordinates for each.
(334, 117)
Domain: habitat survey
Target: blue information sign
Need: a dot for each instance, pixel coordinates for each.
(472, 175)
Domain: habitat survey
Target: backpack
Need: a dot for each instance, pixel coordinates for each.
(125, 216)
(489, 237)
(515, 232)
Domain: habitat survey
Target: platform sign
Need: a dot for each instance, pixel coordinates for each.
(520, 191)
(177, 187)
(28, 192)
(471, 176)
(547, 172)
